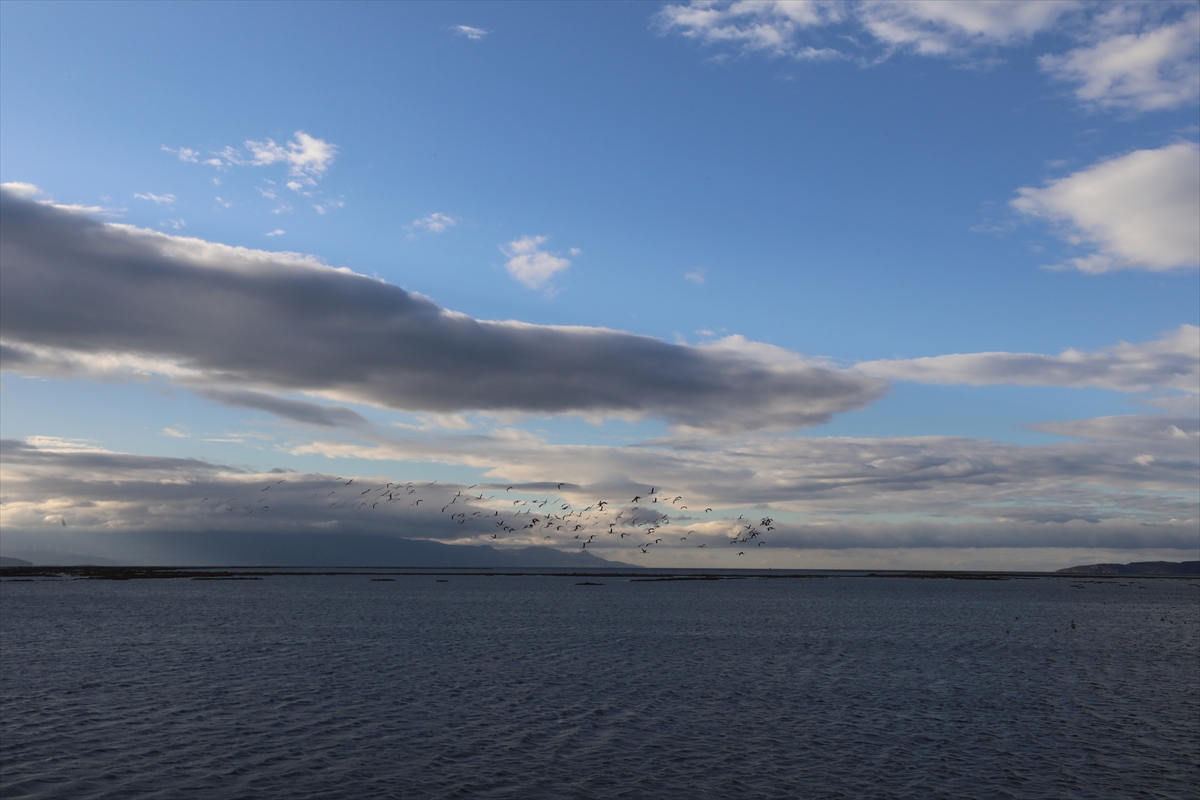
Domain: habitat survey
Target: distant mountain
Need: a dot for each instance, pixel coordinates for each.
(1138, 568)
(309, 550)
(5, 561)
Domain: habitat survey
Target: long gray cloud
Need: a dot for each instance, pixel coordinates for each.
(1170, 362)
(298, 410)
(78, 295)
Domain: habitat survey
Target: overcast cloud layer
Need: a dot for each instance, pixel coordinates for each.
(1127, 483)
(81, 296)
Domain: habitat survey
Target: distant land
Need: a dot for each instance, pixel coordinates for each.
(1138, 568)
(5, 561)
(299, 550)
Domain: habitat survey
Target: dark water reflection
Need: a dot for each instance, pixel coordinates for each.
(537, 687)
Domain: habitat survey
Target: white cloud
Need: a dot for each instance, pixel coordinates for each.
(161, 199)
(1140, 210)
(277, 232)
(1144, 71)
(924, 27)
(175, 433)
(433, 223)
(56, 444)
(935, 28)
(695, 276)
(1134, 56)
(474, 34)
(20, 189)
(529, 264)
(326, 205)
(1170, 362)
(175, 224)
(184, 153)
(307, 157)
(771, 27)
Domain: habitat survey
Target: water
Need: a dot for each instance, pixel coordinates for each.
(533, 686)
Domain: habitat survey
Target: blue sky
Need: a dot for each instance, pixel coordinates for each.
(857, 186)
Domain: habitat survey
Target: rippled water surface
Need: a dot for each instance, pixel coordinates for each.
(534, 686)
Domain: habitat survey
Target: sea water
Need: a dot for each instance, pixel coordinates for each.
(534, 686)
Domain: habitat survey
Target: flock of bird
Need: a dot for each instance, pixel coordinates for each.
(645, 520)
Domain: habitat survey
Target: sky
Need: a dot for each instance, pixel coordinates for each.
(915, 281)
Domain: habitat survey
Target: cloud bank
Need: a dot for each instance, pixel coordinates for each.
(79, 296)
(1125, 483)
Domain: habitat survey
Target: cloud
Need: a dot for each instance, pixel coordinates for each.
(935, 28)
(326, 205)
(298, 410)
(1131, 56)
(474, 34)
(307, 157)
(277, 232)
(695, 276)
(1170, 362)
(185, 153)
(770, 27)
(29, 191)
(1127, 483)
(1146, 70)
(1139, 211)
(20, 189)
(433, 223)
(529, 264)
(161, 199)
(923, 27)
(79, 296)
(1146, 428)
(933, 477)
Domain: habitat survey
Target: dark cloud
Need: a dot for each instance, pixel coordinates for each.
(299, 410)
(80, 295)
